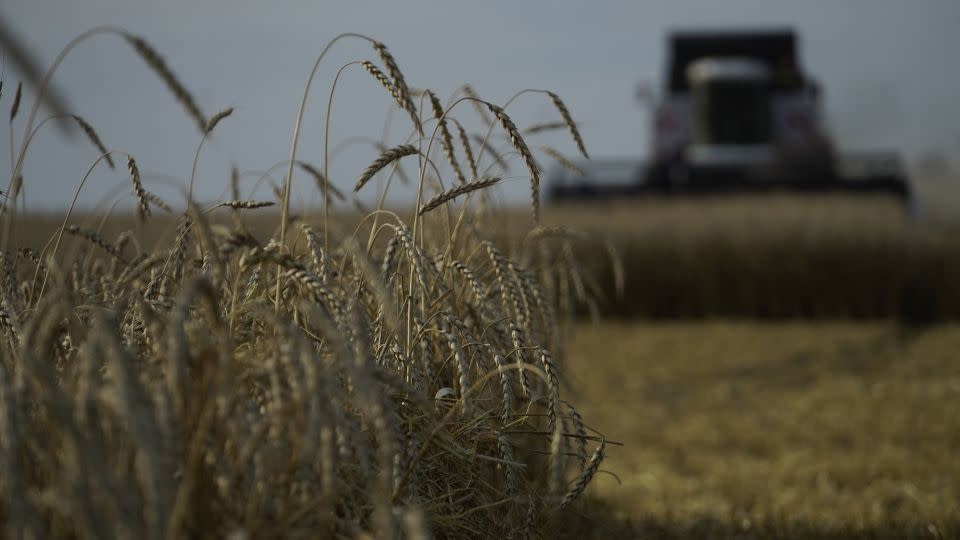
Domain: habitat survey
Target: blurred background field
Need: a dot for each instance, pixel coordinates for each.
(779, 366)
(759, 430)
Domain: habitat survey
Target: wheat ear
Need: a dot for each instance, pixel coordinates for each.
(521, 147)
(568, 120)
(455, 192)
(16, 101)
(394, 70)
(563, 160)
(387, 157)
(143, 211)
(467, 150)
(94, 138)
(215, 119)
(446, 140)
(584, 479)
(159, 66)
(321, 180)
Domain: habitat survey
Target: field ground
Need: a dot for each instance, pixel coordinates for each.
(813, 427)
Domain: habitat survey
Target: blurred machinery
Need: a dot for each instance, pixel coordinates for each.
(738, 114)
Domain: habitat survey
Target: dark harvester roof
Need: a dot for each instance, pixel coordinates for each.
(777, 48)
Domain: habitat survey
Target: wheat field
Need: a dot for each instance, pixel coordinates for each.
(194, 370)
(247, 368)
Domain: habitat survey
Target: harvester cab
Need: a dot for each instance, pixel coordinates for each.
(738, 114)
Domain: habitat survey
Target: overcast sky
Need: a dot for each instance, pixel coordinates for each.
(888, 69)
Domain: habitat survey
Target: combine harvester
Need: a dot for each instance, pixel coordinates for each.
(738, 115)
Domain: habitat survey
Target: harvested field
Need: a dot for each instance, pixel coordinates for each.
(752, 430)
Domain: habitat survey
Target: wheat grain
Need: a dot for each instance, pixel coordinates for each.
(156, 62)
(387, 157)
(585, 476)
(94, 238)
(545, 126)
(391, 64)
(246, 205)
(455, 192)
(564, 161)
(15, 107)
(215, 119)
(477, 103)
(155, 200)
(568, 120)
(321, 181)
(94, 138)
(446, 140)
(143, 210)
(467, 151)
(521, 147)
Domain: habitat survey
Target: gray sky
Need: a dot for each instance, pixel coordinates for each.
(887, 68)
